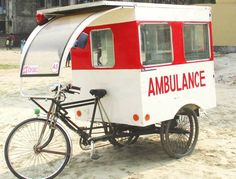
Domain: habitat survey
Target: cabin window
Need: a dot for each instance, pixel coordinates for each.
(102, 48)
(156, 45)
(196, 41)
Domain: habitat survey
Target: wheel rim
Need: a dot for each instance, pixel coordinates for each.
(26, 160)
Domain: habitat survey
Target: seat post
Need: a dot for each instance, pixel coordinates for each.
(98, 93)
(93, 116)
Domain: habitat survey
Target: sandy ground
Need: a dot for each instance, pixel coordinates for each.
(214, 155)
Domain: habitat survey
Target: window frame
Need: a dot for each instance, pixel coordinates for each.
(91, 49)
(171, 41)
(209, 41)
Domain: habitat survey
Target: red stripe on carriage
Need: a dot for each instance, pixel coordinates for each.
(127, 46)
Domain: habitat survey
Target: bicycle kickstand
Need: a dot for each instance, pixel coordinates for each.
(93, 154)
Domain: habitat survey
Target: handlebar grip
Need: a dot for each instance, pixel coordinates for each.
(75, 88)
(71, 92)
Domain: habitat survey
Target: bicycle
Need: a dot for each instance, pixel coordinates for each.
(44, 148)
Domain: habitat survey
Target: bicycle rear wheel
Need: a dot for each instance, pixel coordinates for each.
(179, 135)
(26, 160)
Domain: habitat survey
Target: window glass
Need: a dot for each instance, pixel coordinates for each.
(156, 46)
(196, 41)
(102, 48)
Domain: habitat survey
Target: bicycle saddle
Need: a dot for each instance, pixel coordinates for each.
(98, 93)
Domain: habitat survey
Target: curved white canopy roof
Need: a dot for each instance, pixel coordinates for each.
(49, 45)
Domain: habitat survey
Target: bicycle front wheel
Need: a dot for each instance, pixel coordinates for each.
(26, 158)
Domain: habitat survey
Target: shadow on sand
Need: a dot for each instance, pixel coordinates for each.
(127, 162)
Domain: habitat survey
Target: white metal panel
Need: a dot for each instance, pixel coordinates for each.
(123, 98)
(127, 93)
(173, 13)
(164, 106)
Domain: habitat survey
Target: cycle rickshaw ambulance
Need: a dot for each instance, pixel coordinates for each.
(139, 68)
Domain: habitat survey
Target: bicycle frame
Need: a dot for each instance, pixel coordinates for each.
(60, 112)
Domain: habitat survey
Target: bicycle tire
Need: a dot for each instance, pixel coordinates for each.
(172, 135)
(22, 158)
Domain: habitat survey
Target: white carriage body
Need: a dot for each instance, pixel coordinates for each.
(153, 92)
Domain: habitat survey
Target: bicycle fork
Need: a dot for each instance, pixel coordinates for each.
(51, 121)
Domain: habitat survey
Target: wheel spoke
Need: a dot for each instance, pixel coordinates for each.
(54, 152)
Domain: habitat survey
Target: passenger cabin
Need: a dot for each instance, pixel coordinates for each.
(152, 59)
